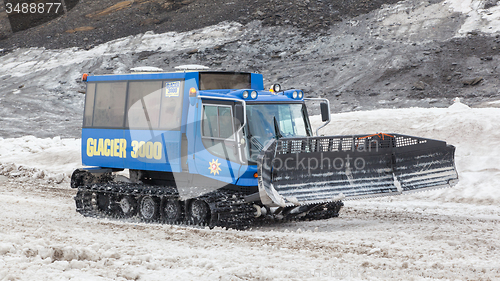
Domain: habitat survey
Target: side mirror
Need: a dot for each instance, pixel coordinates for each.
(238, 112)
(325, 113)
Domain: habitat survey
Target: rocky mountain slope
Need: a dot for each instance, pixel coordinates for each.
(91, 22)
(360, 54)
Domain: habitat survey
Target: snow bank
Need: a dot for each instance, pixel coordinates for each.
(422, 21)
(478, 18)
(53, 159)
(474, 131)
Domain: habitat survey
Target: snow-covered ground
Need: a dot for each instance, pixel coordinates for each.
(449, 234)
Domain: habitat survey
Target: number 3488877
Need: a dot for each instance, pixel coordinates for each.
(32, 8)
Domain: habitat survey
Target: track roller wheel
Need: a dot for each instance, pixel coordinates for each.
(199, 212)
(128, 206)
(171, 210)
(149, 208)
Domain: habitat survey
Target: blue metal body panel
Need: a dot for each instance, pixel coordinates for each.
(246, 175)
(157, 151)
(257, 82)
(268, 97)
(136, 149)
(262, 96)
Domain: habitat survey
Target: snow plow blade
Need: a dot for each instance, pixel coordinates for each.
(303, 171)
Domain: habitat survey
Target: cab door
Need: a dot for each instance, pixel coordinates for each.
(217, 154)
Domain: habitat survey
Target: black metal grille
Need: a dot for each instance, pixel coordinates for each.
(345, 143)
(392, 164)
(407, 141)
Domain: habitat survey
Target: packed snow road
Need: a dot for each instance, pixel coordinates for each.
(43, 238)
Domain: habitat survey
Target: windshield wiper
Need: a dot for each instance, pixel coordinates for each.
(277, 130)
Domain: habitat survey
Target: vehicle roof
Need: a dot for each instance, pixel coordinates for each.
(154, 75)
(257, 84)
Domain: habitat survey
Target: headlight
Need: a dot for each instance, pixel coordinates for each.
(301, 94)
(245, 94)
(294, 94)
(253, 94)
(276, 88)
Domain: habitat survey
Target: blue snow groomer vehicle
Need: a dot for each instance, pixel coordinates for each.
(217, 148)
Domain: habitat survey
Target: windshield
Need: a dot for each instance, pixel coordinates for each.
(268, 121)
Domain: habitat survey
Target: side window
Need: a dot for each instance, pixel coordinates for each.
(149, 105)
(143, 104)
(218, 131)
(225, 123)
(299, 121)
(109, 103)
(171, 105)
(217, 122)
(210, 126)
(89, 105)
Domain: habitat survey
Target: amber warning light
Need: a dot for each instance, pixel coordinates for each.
(84, 77)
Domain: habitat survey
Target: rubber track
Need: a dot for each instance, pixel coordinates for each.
(228, 209)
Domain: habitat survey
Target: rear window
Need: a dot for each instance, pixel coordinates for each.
(109, 105)
(89, 105)
(144, 100)
(153, 104)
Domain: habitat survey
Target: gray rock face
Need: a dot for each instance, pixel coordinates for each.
(405, 55)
